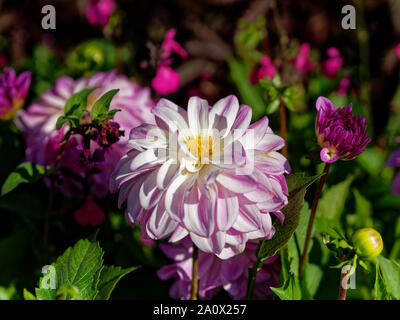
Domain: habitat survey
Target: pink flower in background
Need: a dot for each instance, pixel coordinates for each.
(266, 69)
(98, 12)
(167, 80)
(331, 66)
(169, 45)
(394, 162)
(302, 62)
(340, 134)
(43, 140)
(215, 274)
(205, 172)
(343, 86)
(398, 50)
(13, 92)
(89, 213)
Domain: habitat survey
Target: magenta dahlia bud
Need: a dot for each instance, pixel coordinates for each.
(340, 134)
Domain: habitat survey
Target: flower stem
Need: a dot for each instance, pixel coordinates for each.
(46, 220)
(252, 279)
(195, 266)
(342, 290)
(283, 129)
(312, 217)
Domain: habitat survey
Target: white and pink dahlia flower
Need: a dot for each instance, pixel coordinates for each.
(205, 172)
(38, 124)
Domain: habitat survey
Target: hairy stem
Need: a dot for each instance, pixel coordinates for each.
(312, 217)
(195, 266)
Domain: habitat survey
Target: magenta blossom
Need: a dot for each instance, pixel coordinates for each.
(98, 12)
(331, 66)
(266, 69)
(167, 80)
(302, 62)
(204, 172)
(13, 92)
(169, 45)
(215, 274)
(398, 50)
(89, 213)
(393, 162)
(340, 134)
(43, 140)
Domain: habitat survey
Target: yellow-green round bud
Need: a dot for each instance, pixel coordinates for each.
(94, 54)
(368, 243)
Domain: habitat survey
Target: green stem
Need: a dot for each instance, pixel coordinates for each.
(312, 218)
(252, 280)
(195, 266)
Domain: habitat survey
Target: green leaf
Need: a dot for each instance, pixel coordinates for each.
(331, 206)
(362, 217)
(79, 266)
(391, 274)
(297, 185)
(296, 243)
(290, 289)
(60, 121)
(108, 279)
(102, 106)
(312, 278)
(381, 288)
(26, 172)
(28, 295)
(250, 94)
(273, 106)
(68, 290)
(76, 104)
(395, 252)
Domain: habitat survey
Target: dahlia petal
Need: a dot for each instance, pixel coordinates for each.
(176, 193)
(170, 117)
(160, 224)
(167, 172)
(237, 183)
(227, 211)
(199, 214)
(223, 115)
(197, 114)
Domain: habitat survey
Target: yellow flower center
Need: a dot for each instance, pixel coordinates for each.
(201, 147)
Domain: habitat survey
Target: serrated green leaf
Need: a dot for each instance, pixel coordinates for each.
(45, 294)
(290, 290)
(391, 274)
(380, 287)
(26, 172)
(109, 278)
(68, 290)
(79, 266)
(76, 104)
(102, 105)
